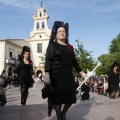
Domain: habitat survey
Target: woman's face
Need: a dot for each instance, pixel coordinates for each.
(115, 68)
(61, 33)
(26, 55)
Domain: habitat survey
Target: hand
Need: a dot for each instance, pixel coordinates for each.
(84, 75)
(33, 77)
(34, 80)
(47, 80)
(90, 74)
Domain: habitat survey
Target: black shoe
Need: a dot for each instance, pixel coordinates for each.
(50, 107)
(22, 101)
(63, 117)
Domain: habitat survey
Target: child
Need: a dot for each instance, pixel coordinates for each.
(85, 92)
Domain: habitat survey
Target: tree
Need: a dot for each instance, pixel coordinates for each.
(42, 57)
(105, 60)
(84, 58)
(115, 45)
(108, 59)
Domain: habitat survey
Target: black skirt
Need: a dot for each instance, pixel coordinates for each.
(64, 87)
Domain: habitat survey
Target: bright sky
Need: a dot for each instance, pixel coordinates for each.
(94, 22)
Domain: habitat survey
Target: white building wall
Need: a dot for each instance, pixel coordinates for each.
(2, 56)
(14, 49)
(9, 47)
(36, 56)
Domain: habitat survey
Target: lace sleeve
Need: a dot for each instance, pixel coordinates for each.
(17, 67)
(31, 69)
(49, 56)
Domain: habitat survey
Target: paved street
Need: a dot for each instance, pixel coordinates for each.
(97, 108)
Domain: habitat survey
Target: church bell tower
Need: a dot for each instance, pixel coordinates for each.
(39, 36)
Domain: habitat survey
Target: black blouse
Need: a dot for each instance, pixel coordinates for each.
(24, 70)
(58, 55)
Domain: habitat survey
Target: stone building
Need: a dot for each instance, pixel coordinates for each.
(10, 50)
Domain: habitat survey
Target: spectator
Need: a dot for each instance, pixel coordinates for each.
(113, 81)
(3, 99)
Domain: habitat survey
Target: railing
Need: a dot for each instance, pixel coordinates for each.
(12, 61)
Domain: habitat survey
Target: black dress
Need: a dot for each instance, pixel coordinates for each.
(113, 81)
(59, 62)
(25, 72)
(85, 89)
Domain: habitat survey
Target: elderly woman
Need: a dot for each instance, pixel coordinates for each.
(60, 58)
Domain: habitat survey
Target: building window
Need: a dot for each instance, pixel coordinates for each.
(37, 25)
(43, 25)
(40, 14)
(19, 57)
(10, 69)
(10, 55)
(39, 48)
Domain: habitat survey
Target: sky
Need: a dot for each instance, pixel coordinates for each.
(94, 22)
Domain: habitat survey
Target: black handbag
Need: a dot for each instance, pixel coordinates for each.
(46, 91)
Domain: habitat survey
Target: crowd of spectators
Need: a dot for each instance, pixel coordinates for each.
(98, 85)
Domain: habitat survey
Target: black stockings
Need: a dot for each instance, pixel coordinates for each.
(24, 94)
(58, 111)
(61, 115)
(65, 109)
(114, 94)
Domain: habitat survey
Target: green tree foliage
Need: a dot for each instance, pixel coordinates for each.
(84, 58)
(115, 45)
(108, 59)
(42, 57)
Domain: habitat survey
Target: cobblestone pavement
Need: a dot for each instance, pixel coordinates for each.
(99, 107)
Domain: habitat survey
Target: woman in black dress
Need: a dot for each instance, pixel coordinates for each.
(113, 81)
(24, 69)
(60, 58)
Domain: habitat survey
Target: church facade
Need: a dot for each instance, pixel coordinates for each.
(39, 38)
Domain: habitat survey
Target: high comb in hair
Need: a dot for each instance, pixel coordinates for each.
(115, 63)
(26, 48)
(58, 24)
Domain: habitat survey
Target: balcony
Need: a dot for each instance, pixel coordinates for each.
(11, 61)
